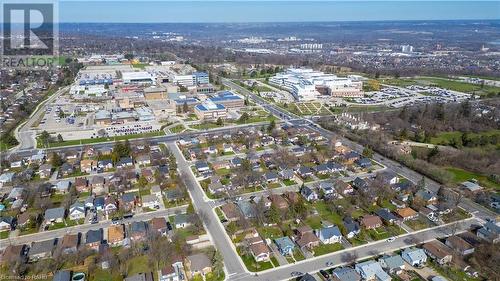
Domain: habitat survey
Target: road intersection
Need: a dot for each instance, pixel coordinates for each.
(234, 267)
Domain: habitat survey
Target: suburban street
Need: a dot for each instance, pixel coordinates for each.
(479, 211)
(360, 252)
(215, 229)
(58, 233)
(234, 267)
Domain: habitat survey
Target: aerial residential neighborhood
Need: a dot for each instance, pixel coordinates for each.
(250, 140)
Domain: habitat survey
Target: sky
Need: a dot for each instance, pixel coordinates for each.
(136, 11)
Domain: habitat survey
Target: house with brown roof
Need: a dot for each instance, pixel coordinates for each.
(438, 251)
(81, 185)
(371, 222)
(198, 264)
(308, 240)
(116, 234)
(159, 225)
(460, 245)
(407, 214)
(13, 253)
(70, 243)
(292, 197)
(230, 211)
(278, 201)
(23, 219)
(259, 250)
(88, 165)
(305, 238)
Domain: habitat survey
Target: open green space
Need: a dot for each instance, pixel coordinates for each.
(445, 138)
(254, 266)
(460, 176)
(324, 249)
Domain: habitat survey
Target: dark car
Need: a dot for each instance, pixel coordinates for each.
(324, 273)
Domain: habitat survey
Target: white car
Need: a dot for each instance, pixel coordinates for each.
(391, 239)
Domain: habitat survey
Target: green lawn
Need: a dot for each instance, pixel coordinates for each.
(326, 214)
(4, 234)
(98, 140)
(456, 215)
(446, 137)
(451, 272)
(104, 275)
(205, 126)
(254, 266)
(323, 176)
(460, 176)
(289, 182)
(420, 223)
(177, 129)
(270, 232)
(378, 234)
(213, 277)
(138, 264)
(297, 255)
(323, 249)
(57, 225)
(223, 172)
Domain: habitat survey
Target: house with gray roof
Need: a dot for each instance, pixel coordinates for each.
(490, 232)
(246, 208)
(285, 245)
(181, 221)
(414, 256)
(372, 270)
(352, 227)
(42, 249)
(76, 211)
(62, 186)
(309, 194)
(329, 235)
(345, 274)
(393, 264)
(54, 215)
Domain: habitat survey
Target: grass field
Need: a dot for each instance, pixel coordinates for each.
(324, 249)
(177, 129)
(445, 137)
(460, 176)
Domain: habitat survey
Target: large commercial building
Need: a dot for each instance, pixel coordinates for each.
(210, 111)
(304, 84)
(228, 99)
(189, 80)
(138, 77)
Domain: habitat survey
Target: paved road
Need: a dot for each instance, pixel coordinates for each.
(232, 262)
(45, 235)
(344, 257)
(153, 140)
(24, 132)
(478, 210)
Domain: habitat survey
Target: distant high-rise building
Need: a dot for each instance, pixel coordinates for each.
(407, 49)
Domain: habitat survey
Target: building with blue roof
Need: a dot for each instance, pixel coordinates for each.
(210, 111)
(285, 245)
(329, 235)
(228, 99)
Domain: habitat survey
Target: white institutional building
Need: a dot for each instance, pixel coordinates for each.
(308, 84)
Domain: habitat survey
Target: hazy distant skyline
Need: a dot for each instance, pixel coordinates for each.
(272, 11)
